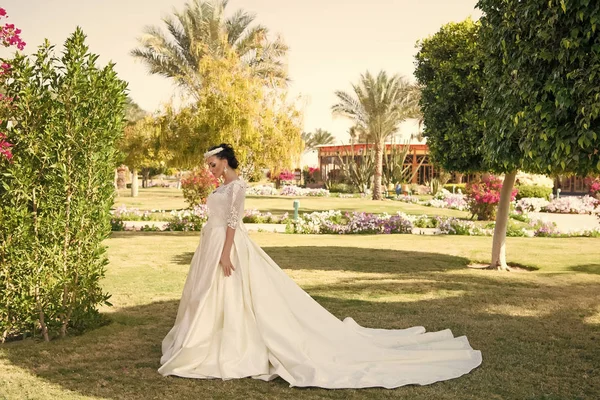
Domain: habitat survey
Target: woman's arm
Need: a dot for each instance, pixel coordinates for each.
(228, 268)
(236, 206)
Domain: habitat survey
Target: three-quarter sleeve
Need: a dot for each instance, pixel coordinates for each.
(236, 206)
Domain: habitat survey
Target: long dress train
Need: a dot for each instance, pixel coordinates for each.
(259, 323)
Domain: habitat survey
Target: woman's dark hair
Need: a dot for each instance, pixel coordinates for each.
(226, 153)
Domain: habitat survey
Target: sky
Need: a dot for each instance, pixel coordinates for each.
(331, 42)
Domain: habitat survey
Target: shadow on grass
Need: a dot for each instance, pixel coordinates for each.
(587, 269)
(133, 234)
(332, 258)
(533, 336)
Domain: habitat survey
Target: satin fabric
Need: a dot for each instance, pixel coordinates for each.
(259, 323)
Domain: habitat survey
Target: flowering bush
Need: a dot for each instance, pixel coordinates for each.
(9, 36)
(525, 179)
(257, 217)
(286, 175)
(408, 199)
(188, 220)
(355, 223)
(544, 228)
(312, 223)
(131, 214)
(483, 197)
(573, 205)
(445, 199)
(261, 190)
(594, 187)
(5, 147)
(455, 226)
(197, 186)
(311, 174)
(292, 190)
(530, 204)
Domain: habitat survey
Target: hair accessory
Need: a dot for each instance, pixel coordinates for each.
(213, 152)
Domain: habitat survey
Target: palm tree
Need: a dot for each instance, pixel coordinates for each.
(378, 106)
(317, 138)
(201, 30)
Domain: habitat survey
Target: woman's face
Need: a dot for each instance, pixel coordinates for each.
(216, 166)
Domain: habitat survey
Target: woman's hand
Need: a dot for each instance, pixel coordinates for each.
(225, 262)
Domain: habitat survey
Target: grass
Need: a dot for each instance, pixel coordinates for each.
(171, 199)
(538, 331)
(155, 198)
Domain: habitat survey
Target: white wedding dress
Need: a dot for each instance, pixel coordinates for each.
(259, 323)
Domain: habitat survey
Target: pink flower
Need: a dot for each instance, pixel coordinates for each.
(2, 12)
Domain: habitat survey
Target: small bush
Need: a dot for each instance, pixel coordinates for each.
(341, 188)
(527, 191)
(456, 186)
(197, 186)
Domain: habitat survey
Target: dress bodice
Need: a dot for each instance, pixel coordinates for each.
(226, 204)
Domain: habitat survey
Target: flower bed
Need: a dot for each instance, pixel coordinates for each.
(573, 205)
(530, 204)
(350, 223)
(292, 190)
(261, 190)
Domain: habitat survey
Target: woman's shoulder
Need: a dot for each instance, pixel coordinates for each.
(237, 183)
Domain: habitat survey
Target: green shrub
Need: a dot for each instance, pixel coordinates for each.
(533, 191)
(55, 196)
(341, 188)
(456, 186)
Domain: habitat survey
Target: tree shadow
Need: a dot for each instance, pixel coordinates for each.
(535, 338)
(593, 269)
(133, 234)
(332, 258)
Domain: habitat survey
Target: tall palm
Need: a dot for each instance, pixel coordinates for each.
(317, 138)
(201, 29)
(378, 105)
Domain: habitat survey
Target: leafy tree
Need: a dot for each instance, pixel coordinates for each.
(541, 95)
(142, 150)
(378, 106)
(539, 106)
(449, 67)
(201, 30)
(55, 196)
(234, 107)
(133, 112)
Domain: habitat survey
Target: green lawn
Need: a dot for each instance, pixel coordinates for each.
(171, 199)
(538, 331)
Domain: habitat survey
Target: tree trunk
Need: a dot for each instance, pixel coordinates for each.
(134, 182)
(378, 170)
(145, 177)
(499, 241)
(115, 180)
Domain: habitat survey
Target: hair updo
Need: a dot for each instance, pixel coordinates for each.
(227, 153)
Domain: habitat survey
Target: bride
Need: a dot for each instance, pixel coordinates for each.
(241, 316)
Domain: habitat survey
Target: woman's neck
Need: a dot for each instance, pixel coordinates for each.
(230, 178)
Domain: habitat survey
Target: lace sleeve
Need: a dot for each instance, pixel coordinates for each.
(236, 207)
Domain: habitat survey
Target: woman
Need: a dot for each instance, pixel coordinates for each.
(241, 316)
